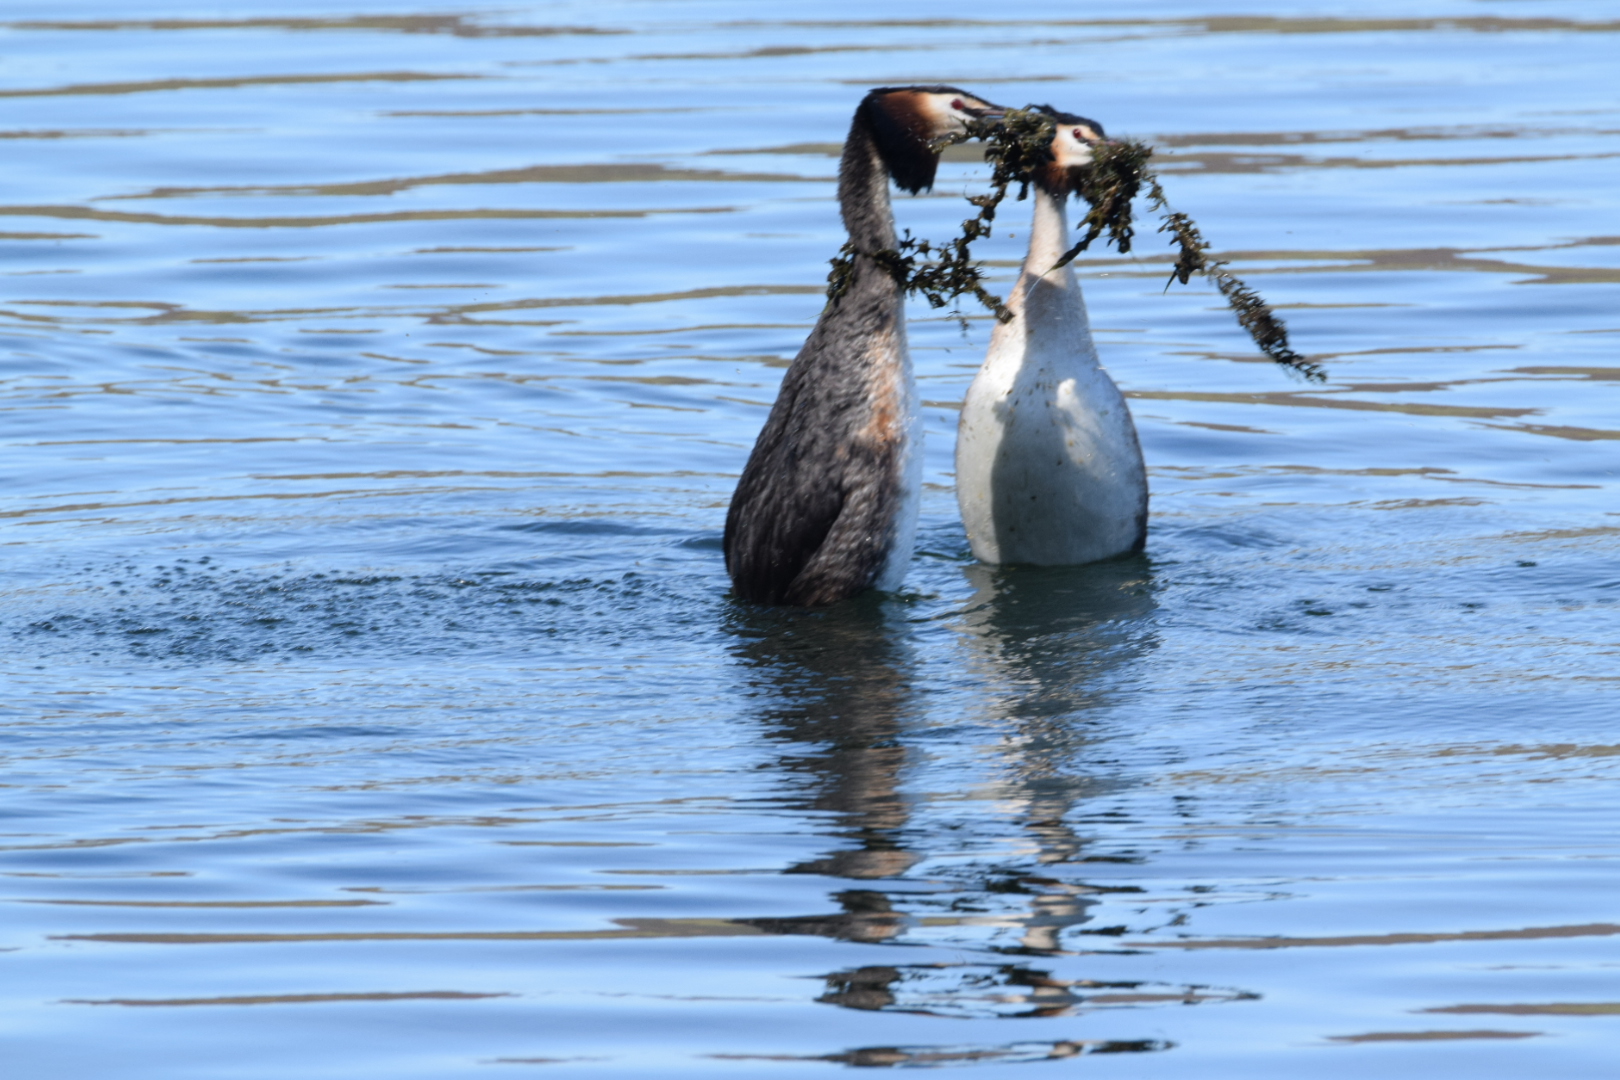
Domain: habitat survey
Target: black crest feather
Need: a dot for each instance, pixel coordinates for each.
(902, 133)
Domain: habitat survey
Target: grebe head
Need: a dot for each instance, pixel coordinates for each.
(905, 119)
(1071, 151)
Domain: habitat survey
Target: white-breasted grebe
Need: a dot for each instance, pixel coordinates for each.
(1049, 471)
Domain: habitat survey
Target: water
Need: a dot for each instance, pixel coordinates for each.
(374, 383)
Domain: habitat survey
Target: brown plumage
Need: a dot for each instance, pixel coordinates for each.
(827, 504)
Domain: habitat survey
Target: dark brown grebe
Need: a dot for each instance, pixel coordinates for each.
(827, 504)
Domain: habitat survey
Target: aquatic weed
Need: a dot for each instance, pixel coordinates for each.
(1015, 147)
(1117, 173)
(1018, 144)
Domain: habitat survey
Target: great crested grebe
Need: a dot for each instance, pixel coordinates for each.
(1048, 467)
(827, 504)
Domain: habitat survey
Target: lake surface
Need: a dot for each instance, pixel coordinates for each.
(374, 382)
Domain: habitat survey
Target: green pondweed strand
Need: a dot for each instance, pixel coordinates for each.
(1117, 173)
(1016, 146)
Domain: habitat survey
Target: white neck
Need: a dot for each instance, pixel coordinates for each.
(1048, 238)
(1047, 300)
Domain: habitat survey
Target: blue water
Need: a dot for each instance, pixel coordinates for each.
(374, 382)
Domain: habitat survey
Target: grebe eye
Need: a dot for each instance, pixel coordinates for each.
(956, 103)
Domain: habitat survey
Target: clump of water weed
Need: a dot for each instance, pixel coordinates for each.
(1016, 146)
(1117, 172)
(1110, 184)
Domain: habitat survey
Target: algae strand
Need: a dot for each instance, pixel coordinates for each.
(1117, 173)
(1016, 146)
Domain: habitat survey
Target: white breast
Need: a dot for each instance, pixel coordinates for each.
(910, 495)
(1048, 467)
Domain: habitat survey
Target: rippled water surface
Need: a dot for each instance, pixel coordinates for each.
(373, 384)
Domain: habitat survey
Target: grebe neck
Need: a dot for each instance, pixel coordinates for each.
(1048, 238)
(863, 200)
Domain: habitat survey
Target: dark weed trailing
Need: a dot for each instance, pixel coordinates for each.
(1016, 146)
(1118, 171)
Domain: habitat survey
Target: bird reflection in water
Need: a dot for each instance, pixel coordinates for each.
(1045, 642)
(889, 1057)
(967, 991)
(837, 686)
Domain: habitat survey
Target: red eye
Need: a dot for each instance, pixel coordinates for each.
(1079, 134)
(956, 103)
